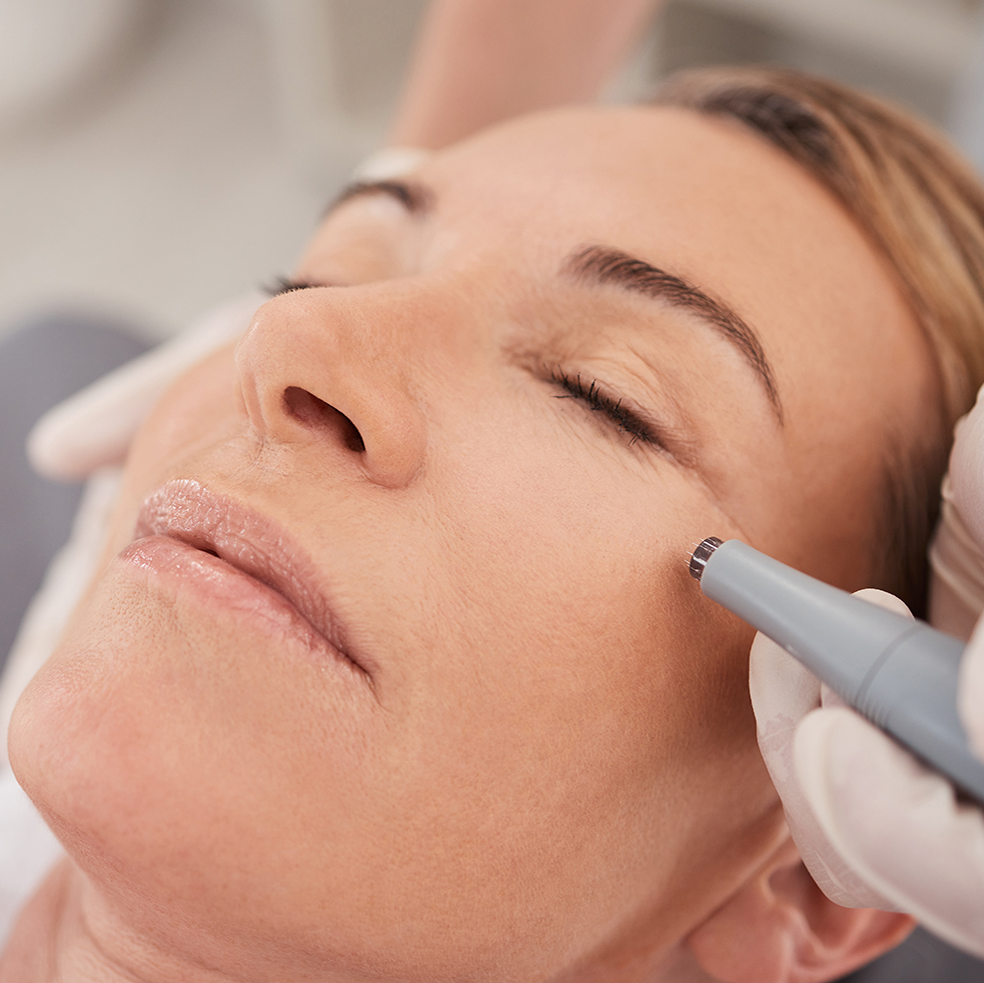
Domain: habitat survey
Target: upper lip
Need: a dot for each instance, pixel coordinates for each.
(185, 510)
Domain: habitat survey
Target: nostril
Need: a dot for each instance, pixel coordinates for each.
(306, 408)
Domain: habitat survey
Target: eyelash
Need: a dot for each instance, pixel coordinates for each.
(598, 401)
(284, 285)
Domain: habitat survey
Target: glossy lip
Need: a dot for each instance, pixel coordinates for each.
(186, 511)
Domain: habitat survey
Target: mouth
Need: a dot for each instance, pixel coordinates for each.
(250, 543)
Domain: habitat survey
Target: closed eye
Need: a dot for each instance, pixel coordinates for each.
(592, 395)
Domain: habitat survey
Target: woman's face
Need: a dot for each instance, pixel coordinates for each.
(394, 664)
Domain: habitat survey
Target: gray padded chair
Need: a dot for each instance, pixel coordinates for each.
(922, 958)
(51, 357)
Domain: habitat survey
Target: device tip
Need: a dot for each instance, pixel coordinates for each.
(700, 556)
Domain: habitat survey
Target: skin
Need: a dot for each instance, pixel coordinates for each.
(549, 770)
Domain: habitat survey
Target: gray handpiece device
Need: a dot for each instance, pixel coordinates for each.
(899, 673)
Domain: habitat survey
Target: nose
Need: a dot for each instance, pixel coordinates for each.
(336, 367)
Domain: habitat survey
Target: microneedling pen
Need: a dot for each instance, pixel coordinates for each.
(899, 673)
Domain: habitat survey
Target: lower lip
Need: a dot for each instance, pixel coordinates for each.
(209, 582)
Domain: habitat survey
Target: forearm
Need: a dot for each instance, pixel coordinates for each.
(481, 61)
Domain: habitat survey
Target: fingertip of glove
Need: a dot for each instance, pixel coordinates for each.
(779, 685)
(884, 599)
(46, 453)
(59, 449)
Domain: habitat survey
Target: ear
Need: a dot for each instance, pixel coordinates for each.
(779, 927)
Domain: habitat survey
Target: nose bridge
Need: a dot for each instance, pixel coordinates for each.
(392, 328)
(366, 355)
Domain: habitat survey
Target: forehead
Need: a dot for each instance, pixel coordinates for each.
(695, 195)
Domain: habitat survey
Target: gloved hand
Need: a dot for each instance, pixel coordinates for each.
(874, 826)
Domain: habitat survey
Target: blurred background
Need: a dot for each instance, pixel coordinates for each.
(158, 156)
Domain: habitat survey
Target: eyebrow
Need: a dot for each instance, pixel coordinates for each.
(600, 265)
(415, 198)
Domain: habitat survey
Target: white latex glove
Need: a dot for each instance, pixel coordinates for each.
(94, 427)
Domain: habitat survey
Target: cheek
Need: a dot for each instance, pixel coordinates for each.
(583, 688)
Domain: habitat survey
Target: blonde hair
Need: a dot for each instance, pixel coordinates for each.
(922, 207)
